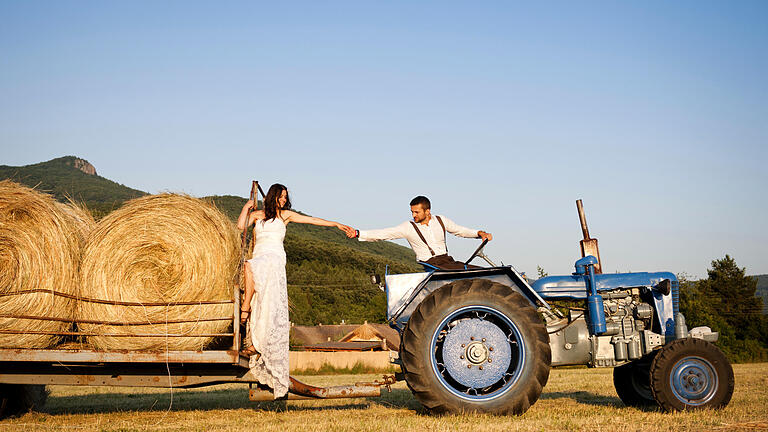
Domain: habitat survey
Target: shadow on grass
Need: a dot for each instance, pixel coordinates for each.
(593, 399)
(228, 399)
(120, 402)
(585, 398)
(398, 398)
(231, 399)
(405, 399)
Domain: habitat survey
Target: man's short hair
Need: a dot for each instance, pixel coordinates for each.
(424, 201)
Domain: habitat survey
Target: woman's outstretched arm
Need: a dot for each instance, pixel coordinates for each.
(242, 223)
(291, 216)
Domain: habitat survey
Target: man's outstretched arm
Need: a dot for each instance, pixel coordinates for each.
(382, 234)
(458, 230)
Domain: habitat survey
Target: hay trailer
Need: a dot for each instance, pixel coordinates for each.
(24, 373)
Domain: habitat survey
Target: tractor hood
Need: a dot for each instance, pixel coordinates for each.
(575, 287)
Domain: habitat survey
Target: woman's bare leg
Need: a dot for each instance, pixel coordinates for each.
(249, 288)
(245, 309)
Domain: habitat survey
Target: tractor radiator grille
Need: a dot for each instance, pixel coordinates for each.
(675, 297)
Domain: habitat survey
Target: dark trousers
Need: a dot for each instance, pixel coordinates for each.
(446, 262)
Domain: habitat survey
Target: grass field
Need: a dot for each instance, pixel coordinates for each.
(574, 399)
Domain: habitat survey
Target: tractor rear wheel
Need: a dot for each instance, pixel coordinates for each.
(476, 346)
(691, 374)
(633, 382)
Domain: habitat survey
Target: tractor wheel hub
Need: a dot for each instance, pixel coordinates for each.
(476, 353)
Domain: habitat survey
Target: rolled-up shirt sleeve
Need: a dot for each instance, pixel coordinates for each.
(384, 234)
(456, 229)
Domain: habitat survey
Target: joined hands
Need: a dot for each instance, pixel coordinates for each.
(348, 230)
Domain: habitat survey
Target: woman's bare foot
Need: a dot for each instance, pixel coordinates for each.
(250, 352)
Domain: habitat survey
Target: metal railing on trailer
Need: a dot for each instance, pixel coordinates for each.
(169, 369)
(83, 366)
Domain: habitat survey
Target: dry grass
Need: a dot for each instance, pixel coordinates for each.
(40, 244)
(574, 399)
(164, 249)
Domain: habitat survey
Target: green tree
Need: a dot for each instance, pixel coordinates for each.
(733, 295)
(726, 302)
(540, 271)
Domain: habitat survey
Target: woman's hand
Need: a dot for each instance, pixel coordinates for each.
(242, 220)
(348, 230)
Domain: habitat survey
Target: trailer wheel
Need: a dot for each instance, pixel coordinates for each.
(18, 399)
(633, 382)
(476, 346)
(691, 374)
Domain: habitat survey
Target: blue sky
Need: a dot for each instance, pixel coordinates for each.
(653, 113)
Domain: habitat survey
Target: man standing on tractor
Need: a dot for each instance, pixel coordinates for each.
(426, 235)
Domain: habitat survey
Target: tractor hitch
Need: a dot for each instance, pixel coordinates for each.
(301, 391)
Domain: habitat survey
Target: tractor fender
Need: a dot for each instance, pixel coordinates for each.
(406, 291)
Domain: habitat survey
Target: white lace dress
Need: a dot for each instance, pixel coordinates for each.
(269, 324)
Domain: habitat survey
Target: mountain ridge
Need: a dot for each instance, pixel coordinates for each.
(65, 181)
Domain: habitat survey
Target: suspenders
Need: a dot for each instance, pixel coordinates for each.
(421, 236)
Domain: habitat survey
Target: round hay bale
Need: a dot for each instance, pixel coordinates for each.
(159, 251)
(40, 245)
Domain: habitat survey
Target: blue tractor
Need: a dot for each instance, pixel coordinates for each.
(484, 339)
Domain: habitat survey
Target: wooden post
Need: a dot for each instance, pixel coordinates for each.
(244, 249)
(582, 219)
(236, 343)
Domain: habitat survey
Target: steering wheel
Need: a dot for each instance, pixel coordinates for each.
(477, 251)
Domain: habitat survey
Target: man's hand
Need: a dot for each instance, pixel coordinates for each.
(348, 230)
(484, 235)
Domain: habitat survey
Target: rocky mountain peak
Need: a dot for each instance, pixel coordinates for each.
(83, 165)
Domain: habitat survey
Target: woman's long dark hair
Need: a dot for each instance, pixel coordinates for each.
(270, 201)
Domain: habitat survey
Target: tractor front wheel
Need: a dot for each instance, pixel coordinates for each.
(476, 346)
(691, 374)
(633, 382)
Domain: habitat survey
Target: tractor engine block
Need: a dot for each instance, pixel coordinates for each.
(627, 336)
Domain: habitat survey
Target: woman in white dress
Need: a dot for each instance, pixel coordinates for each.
(266, 295)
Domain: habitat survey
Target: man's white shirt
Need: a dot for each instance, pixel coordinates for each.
(432, 232)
